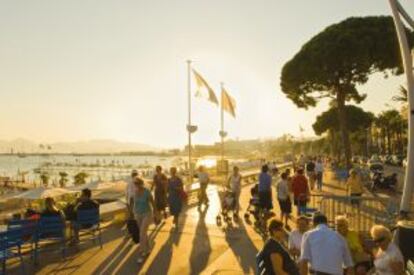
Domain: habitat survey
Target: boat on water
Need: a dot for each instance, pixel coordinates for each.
(21, 155)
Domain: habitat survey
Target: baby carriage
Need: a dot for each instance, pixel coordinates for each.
(255, 209)
(228, 204)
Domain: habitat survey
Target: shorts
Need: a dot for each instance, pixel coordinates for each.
(285, 206)
(265, 198)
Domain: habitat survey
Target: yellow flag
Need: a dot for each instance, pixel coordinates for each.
(203, 89)
(228, 103)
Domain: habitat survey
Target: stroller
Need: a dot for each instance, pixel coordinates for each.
(228, 204)
(260, 214)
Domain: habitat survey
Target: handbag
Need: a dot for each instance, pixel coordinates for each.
(133, 230)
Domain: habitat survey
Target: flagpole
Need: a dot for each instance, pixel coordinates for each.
(222, 123)
(189, 126)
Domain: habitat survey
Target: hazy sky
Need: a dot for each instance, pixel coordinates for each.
(81, 69)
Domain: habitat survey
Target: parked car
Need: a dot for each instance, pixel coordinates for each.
(374, 161)
(387, 159)
(355, 159)
(397, 160)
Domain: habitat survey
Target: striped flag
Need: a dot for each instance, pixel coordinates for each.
(203, 89)
(228, 103)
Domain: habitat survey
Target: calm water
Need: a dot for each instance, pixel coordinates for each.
(103, 166)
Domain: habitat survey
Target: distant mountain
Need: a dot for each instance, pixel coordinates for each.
(82, 147)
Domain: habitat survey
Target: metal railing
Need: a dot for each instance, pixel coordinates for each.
(362, 212)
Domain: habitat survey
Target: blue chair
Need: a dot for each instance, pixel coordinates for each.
(10, 247)
(27, 227)
(50, 229)
(87, 221)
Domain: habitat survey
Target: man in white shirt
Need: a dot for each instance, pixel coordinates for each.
(295, 237)
(204, 180)
(325, 250)
(319, 173)
(130, 190)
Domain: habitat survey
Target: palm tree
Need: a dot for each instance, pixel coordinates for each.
(44, 177)
(63, 179)
(402, 96)
(80, 178)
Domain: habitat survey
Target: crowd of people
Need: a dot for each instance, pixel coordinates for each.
(324, 251)
(318, 250)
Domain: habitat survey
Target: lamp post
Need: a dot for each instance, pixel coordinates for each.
(397, 10)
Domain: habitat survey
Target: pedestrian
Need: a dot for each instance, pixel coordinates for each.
(130, 190)
(319, 173)
(300, 189)
(361, 259)
(234, 182)
(282, 190)
(160, 182)
(144, 211)
(301, 162)
(85, 202)
(295, 237)
(175, 191)
(388, 257)
(310, 173)
(204, 180)
(51, 209)
(265, 191)
(324, 250)
(354, 187)
(274, 257)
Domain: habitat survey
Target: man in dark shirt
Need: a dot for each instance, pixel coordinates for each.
(84, 203)
(310, 172)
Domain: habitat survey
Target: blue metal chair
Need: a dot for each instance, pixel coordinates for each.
(50, 229)
(87, 221)
(10, 247)
(27, 227)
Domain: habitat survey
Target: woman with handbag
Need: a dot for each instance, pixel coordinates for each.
(144, 211)
(176, 194)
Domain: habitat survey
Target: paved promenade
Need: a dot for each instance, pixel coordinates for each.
(197, 246)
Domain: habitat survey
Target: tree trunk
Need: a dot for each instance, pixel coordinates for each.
(340, 97)
(389, 142)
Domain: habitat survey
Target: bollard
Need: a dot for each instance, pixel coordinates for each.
(404, 238)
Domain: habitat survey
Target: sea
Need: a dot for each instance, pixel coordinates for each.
(105, 167)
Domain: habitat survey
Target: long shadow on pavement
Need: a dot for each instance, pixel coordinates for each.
(201, 247)
(243, 248)
(162, 261)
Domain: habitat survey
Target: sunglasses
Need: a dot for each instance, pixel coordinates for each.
(380, 240)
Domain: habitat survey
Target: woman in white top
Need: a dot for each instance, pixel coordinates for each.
(235, 185)
(282, 190)
(388, 257)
